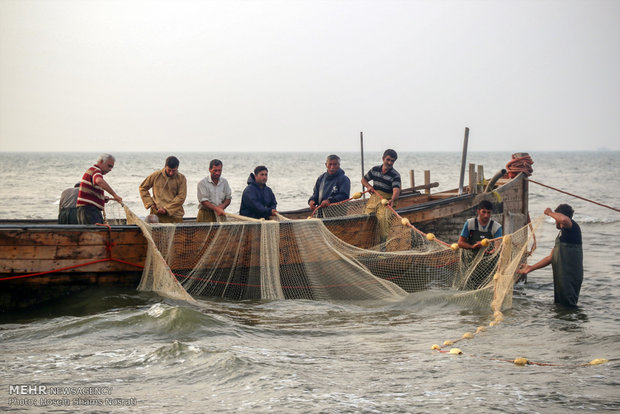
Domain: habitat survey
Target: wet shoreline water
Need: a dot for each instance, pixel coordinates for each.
(311, 356)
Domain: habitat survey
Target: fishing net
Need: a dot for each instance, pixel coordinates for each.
(343, 256)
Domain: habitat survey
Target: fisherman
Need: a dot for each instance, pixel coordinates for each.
(214, 194)
(169, 192)
(566, 257)
(91, 200)
(258, 201)
(478, 228)
(332, 186)
(386, 184)
(475, 230)
(67, 209)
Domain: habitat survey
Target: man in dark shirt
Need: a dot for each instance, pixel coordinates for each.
(67, 208)
(332, 186)
(566, 257)
(258, 201)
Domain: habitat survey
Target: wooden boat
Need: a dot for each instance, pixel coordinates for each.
(40, 260)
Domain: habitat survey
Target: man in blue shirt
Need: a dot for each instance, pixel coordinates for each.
(470, 241)
(331, 186)
(481, 227)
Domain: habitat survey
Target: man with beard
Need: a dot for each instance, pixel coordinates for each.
(169, 192)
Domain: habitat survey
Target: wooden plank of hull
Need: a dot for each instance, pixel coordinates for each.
(37, 249)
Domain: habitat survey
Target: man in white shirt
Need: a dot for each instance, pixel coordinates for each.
(214, 194)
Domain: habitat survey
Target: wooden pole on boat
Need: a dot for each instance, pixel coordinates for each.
(362, 150)
(463, 159)
(472, 179)
(427, 181)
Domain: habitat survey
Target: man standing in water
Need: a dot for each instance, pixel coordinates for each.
(474, 231)
(258, 200)
(566, 257)
(214, 194)
(91, 200)
(478, 228)
(331, 186)
(169, 192)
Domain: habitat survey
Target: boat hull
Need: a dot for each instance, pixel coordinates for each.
(41, 261)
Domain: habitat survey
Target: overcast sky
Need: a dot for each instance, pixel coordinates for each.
(291, 75)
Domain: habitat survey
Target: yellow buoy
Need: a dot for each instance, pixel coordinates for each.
(357, 195)
(456, 351)
(468, 335)
(448, 342)
(481, 329)
(598, 361)
(454, 246)
(493, 323)
(405, 222)
(484, 242)
(520, 361)
(385, 202)
(435, 347)
(430, 237)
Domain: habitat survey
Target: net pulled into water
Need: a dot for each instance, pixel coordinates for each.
(346, 255)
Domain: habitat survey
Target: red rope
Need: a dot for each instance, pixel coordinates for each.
(71, 267)
(573, 195)
(519, 165)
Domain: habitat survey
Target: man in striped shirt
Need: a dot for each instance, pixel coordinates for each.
(91, 200)
(385, 180)
(385, 185)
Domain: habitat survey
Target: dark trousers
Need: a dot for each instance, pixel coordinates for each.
(68, 216)
(89, 215)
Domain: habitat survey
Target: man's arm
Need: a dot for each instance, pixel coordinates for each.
(219, 210)
(463, 244)
(367, 185)
(103, 184)
(561, 219)
(395, 195)
(145, 195)
(525, 269)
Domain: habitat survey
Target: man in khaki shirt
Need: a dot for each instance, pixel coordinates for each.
(169, 192)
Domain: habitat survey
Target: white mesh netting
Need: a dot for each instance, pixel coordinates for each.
(345, 256)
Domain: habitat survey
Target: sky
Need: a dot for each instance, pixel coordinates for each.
(205, 76)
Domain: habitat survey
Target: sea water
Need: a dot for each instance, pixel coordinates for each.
(112, 350)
